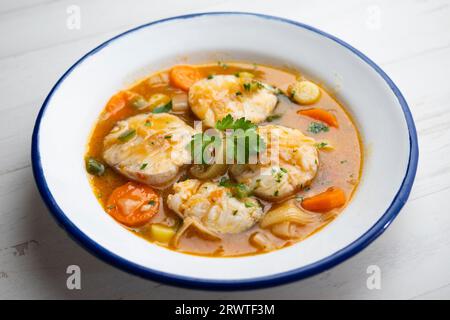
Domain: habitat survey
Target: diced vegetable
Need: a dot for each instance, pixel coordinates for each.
(325, 201)
(95, 167)
(127, 135)
(284, 230)
(261, 241)
(139, 102)
(304, 92)
(321, 115)
(180, 102)
(133, 204)
(158, 100)
(162, 233)
(287, 211)
(117, 102)
(244, 74)
(184, 77)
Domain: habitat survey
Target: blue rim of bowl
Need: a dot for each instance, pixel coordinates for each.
(248, 283)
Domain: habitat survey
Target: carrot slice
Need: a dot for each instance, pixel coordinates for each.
(118, 102)
(325, 201)
(321, 115)
(184, 77)
(133, 204)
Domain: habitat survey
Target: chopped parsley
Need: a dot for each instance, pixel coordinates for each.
(244, 140)
(209, 77)
(321, 145)
(239, 190)
(151, 202)
(222, 64)
(316, 127)
(148, 123)
(252, 86)
(249, 205)
(168, 137)
(143, 166)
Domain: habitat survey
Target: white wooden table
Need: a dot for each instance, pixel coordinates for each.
(409, 39)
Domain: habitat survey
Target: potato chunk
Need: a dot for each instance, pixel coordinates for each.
(304, 92)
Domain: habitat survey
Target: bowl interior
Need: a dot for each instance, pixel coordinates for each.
(74, 106)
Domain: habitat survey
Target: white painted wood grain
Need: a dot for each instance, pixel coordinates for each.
(411, 43)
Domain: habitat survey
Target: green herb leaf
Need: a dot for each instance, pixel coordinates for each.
(225, 123)
(244, 137)
(316, 127)
(143, 166)
(243, 124)
(229, 123)
(321, 145)
(163, 109)
(239, 190)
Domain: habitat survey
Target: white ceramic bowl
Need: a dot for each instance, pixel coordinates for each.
(73, 105)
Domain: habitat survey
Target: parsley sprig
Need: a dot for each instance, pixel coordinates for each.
(243, 140)
(239, 136)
